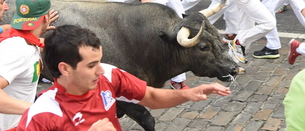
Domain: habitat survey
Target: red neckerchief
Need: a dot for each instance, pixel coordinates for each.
(27, 35)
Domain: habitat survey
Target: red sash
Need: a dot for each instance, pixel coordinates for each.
(27, 35)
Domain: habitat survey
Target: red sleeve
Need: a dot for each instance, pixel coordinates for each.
(130, 87)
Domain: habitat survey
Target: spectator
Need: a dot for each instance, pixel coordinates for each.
(20, 59)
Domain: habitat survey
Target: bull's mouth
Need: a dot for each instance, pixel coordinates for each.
(230, 77)
(227, 78)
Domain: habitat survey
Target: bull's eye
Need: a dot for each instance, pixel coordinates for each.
(204, 48)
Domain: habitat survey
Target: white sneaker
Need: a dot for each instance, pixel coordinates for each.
(237, 52)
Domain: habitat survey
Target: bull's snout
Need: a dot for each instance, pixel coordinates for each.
(232, 74)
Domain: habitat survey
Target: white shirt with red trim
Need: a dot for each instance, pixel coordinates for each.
(57, 110)
(20, 66)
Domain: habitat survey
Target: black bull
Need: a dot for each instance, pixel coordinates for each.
(141, 39)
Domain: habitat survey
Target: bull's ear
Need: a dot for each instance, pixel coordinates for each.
(168, 36)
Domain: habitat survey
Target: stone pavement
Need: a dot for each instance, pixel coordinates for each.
(254, 105)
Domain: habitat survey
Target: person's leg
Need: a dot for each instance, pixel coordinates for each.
(230, 12)
(125, 1)
(282, 6)
(279, 4)
(188, 4)
(177, 6)
(256, 11)
(297, 7)
(286, 3)
(245, 24)
(177, 82)
(273, 40)
(296, 49)
(163, 2)
(231, 19)
(301, 49)
(217, 15)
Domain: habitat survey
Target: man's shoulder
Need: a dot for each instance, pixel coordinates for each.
(48, 97)
(13, 42)
(14, 38)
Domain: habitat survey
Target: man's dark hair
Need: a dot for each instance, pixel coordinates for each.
(62, 45)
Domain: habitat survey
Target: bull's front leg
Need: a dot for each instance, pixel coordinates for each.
(138, 113)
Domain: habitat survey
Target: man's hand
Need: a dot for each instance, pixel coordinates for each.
(201, 92)
(102, 125)
(53, 16)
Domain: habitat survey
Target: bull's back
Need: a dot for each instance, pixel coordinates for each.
(123, 28)
(105, 14)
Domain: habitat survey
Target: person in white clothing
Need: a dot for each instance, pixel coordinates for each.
(251, 12)
(272, 37)
(297, 7)
(20, 59)
(271, 50)
(188, 4)
(283, 7)
(229, 12)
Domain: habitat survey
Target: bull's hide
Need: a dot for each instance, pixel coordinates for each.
(141, 39)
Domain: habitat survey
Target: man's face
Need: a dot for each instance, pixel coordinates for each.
(3, 8)
(87, 72)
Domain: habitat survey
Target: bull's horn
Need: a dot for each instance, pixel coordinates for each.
(184, 33)
(212, 10)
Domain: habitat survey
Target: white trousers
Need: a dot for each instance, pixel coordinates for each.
(174, 4)
(125, 1)
(251, 12)
(297, 6)
(188, 4)
(229, 12)
(177, 6)
(301, 49)
(273, 39)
